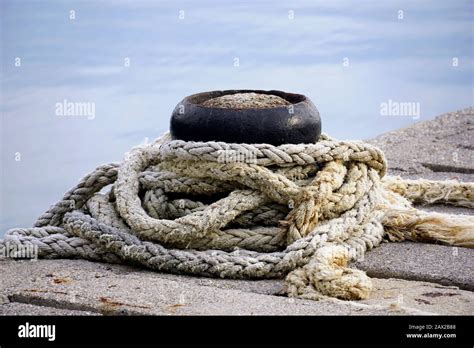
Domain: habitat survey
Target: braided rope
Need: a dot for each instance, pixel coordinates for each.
(296, 211)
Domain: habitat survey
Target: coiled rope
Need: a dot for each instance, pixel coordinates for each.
(248, 211)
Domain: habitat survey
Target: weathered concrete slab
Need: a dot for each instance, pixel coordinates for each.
(417, 261)
(440, 149)
(79, 285)
(441, 145)
(403, 295)
(16, 308)
(116, 289)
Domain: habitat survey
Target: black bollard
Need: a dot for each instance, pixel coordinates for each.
(295, 123)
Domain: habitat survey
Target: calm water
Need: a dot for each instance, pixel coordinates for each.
(133, 62)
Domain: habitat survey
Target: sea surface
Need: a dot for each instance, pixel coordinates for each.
(369, 67)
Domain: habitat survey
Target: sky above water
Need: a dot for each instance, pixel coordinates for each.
(134, 61)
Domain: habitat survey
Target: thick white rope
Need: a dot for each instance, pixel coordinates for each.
(248, 211)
